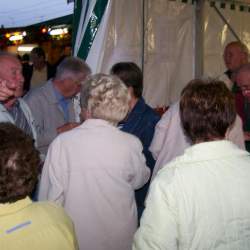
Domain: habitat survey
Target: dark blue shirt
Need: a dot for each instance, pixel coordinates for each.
(141, 122)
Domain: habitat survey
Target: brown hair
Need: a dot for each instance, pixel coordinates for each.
(207, 110)
(19, 164)
(130, 74)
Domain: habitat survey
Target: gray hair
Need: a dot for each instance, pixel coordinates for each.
(72, 66)
(105, 97)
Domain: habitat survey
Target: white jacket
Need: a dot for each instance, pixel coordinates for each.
(199, 201)
(169, 140)
(93, 171)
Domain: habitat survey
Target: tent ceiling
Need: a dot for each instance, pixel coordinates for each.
(23, 13)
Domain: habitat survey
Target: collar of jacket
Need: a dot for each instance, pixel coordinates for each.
(9, 208)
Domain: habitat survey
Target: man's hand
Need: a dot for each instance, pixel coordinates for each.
(67, 127)
(5, 92)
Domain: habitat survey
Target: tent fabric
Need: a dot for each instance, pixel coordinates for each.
(123, 37)
(91, 25)
(169, 52)
(159, 35)
(217, 35)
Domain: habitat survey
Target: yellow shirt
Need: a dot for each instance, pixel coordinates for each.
(38, 226)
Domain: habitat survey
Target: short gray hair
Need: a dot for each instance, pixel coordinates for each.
(105, 97)
(72, 66)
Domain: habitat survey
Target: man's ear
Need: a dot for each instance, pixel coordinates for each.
(131, 91)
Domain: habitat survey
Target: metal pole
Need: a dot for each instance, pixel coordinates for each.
(198, 39)
(227, 23)
(143, 36)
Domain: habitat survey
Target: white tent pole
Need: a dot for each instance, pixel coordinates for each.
(143, 35)
(198, 39)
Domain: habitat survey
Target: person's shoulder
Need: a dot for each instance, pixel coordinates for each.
(150, 114)
(172, 113)
(49, 211)
(178, 164)
(38, 92)
(128, 137)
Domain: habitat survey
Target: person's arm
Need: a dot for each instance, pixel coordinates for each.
(66, 127)
(139, 172)
(45, 135)
(160, 132)
(158, 226)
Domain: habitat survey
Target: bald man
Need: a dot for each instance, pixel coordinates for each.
(236, 55)
(12, 107)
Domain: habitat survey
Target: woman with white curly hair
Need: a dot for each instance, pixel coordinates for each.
(94, 169)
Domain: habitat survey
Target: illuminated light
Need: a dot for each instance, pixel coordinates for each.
(24, 48)
(7, 35)
(60, 31)
(44, 30)
(24, 33)
(16, 38)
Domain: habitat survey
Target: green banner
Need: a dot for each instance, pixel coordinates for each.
(92, 28)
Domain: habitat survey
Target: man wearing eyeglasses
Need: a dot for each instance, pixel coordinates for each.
(52, 103)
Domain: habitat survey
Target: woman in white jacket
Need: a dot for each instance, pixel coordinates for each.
(93, 170)
(200, 200)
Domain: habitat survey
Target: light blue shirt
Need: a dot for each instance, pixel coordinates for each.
(63, 102)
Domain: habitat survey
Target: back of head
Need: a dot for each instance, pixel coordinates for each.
(19, 164)
(71, 67)
(105, 97)
(130, 74)
(207, 110)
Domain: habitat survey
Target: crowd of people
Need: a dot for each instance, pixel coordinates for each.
(87, 164)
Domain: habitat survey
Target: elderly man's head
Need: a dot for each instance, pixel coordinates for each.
(11, 73)
(19, 164)
(243, 79)
(207, 110)
(70, 75)
(235, 55)
(105, 97)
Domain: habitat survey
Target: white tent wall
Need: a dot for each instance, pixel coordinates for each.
(162, 37)
(217, 35)
(166, 52)
(122, 39)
